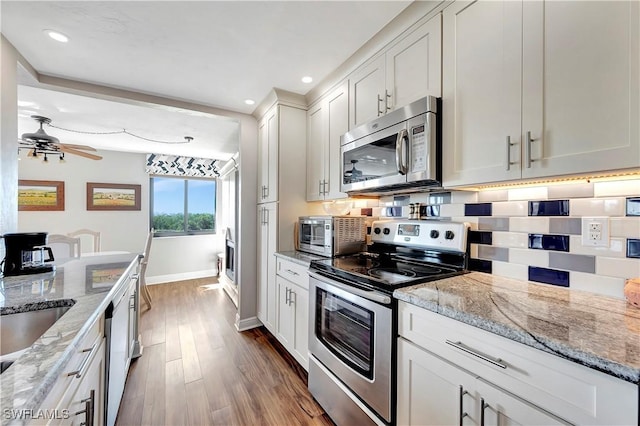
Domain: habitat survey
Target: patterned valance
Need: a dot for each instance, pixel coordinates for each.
(159, 164)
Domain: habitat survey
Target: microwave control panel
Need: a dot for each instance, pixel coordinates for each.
(418, 149)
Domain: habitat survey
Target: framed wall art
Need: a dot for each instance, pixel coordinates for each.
(113, 196)
(40, 195)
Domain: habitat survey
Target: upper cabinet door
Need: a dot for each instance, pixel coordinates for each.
(414, 65)
(337, 125)
(268, 157)
(316, 147)
(580, 86)
(366, 87)
(263, 158)
(481, 92)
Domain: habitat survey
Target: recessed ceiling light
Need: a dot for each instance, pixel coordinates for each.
(307, 79)
(249, 101)
(57, 36)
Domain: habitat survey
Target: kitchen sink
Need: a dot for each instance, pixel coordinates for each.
(19, 331)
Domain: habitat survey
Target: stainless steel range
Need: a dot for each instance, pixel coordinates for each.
(353, 324)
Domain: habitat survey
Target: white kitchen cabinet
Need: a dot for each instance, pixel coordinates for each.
(267, 245)
(409, 70)
(539, 89)
(327, 121)
(293, 310)
(432, 391)
(87, 403)
(268, 156)
(514, 383)
(84, 372)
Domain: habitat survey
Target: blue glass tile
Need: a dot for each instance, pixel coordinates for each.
(549, 242)
(633, 248)
(480, 265)
(549, 276)
(549, 208)
(633, 206)
(478, 209)
(440, 198)
(393, 211)
(480, 237)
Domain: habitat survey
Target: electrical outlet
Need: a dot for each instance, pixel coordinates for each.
(595, 231)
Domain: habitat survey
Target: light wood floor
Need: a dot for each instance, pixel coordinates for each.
(196, 369)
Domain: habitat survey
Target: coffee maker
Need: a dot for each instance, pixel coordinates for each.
(25, 254)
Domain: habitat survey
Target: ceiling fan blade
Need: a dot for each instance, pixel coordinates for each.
(73, 151)
(72, 146)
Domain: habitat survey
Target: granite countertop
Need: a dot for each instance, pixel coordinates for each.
(596, 331)
(300, 257)
(87, 284)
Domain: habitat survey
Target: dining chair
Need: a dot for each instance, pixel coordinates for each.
(143, 269)
(91, 239)
(64, 247)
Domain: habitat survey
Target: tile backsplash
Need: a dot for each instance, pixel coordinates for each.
(535, 233)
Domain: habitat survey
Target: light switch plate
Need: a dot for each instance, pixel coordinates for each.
(595, 231)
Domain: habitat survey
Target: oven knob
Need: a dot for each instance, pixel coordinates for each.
(386, 231)
(434, 233)
(376, 231)
(449, 235)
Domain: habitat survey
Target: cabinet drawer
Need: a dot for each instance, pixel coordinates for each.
(62, 391)
(294, 272)
(569, 390)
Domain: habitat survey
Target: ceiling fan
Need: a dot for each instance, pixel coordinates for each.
(42, 143)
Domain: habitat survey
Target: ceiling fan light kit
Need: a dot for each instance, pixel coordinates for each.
(40, 142)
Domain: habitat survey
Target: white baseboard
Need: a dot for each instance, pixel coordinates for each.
(247, 323)
(230, 289)
(161, 279)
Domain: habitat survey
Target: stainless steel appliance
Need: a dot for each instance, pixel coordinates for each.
(353, 324)
(400, 150)
(25, 254)
(331, 235)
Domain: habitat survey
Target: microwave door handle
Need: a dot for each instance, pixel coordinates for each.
(401, 152)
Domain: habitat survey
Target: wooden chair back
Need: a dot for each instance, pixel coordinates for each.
(63, 246)
(90, 237)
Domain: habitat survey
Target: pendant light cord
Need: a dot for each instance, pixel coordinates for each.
(187, 139)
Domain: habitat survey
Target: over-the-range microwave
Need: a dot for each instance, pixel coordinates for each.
(397, 152)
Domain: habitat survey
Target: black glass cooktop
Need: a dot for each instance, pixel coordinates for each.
(382, 271)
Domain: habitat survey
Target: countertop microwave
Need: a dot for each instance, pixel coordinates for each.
(398, 151)
(331, 235)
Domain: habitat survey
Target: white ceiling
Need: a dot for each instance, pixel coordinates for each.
(214, 53)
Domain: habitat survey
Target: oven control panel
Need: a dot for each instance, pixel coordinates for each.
(451, 236)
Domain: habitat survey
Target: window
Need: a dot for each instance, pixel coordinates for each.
(182, 206)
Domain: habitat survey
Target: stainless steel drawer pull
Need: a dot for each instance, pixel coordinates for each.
(528, 159)
(459, 345)
(387, 97)
(380, 112)
(292, 272)
(463, 413)
(80, 371)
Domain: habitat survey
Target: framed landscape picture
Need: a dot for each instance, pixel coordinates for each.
(113, 196)
(40, 195)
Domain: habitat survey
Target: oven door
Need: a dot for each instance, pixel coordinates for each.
(314, 236)
(351, 335)
(379, 159)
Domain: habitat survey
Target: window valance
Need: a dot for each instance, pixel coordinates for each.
(172, 165)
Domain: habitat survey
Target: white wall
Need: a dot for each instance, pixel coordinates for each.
(120, 230)
(171, 258)
(8, 140)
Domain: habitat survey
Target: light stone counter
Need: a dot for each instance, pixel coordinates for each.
(599, 332)
(88, 285)
(299, 257)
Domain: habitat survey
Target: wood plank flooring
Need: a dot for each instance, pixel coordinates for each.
(196, 369)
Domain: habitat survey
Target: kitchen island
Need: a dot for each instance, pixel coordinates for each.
(88, 285)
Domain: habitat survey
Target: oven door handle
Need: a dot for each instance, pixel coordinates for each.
(369, 295)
